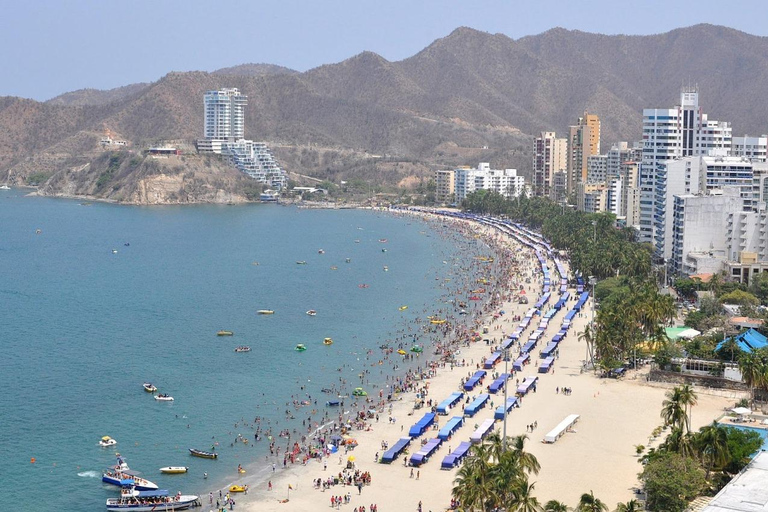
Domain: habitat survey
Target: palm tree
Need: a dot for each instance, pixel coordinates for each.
(588, 503)
(673, 410)
(688, 398)
(712, 441)
(471, 485)
(681, 442)
(523, 499)
(555, 506)
(630, 506)
(526, 460)
(753, 372)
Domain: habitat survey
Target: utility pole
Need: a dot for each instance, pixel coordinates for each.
(506, 381)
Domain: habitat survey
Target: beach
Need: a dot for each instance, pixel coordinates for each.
(598, 455)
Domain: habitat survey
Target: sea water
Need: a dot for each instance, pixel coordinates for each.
(98, 298)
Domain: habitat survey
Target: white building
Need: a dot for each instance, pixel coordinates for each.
(505, 182)
(669, 134)
(550, 155)
(619, 153)
(225, 114)
(699, 241)
(696, 175)
(754, 149)
(224, 129)
(256, 160)
(597, 167)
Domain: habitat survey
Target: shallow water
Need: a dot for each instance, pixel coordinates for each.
(83, 327)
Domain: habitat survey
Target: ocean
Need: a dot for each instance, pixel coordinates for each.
(99, 298)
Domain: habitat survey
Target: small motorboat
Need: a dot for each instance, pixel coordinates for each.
(225, 333)
(107, 441)
(238, 488)
(386, 268)
(203, 454)
(383, 250)
(300, 348)
(174, 470)
(243, 348)
(348, 260)
(327, 341)
(402, 308)
(149, 387)
(164, 397)
(359, 392)
(312, 312)
(334, 267)
(266, 312)
(363, 286)
(383, 240)
(301, 262)
(333, 403)
(320, 251)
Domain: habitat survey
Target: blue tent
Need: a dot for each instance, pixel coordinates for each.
(748, 341)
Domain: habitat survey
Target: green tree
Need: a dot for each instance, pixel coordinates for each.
(740, 297)
(712, 442)
(754, 371)
(555, 506)
(522, 499)
(673, 410)
(671, 481)
(630, 506)
(742, 446)
(588, 503)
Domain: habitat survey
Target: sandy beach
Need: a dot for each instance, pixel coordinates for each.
(615, 415)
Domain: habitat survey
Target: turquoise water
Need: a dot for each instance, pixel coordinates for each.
(83, 327)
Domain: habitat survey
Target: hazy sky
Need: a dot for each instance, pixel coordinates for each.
(54, 46)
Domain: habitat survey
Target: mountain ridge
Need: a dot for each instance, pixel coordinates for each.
(467, 97)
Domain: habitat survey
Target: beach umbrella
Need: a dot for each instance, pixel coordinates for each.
(741, 411)
(351, 458)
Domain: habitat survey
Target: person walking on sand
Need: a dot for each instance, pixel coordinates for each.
(269, 485)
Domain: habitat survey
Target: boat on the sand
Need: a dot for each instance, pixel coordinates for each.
(238, 488)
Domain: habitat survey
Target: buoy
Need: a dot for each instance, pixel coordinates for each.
(32, 460)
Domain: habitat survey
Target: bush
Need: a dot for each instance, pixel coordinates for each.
(671, 481)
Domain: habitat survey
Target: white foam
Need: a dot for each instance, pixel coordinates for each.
(89, 474)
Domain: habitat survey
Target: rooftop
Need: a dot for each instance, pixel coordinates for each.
(747, 492)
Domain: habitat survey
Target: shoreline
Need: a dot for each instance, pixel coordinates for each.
(259, 468)
(561, 478)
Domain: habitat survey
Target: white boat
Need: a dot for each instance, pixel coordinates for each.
(5, 187)
(312, 312)
(163, 397)
(122, 476)
(266, 312)
(107, 441)
(174, 470)
(149, 501)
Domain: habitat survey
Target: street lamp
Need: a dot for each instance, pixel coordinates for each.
(506, 381)
(592, 283)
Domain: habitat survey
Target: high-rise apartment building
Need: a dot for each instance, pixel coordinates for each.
(549, 157)
(669, 134)
(445, 183)
(224, 129)
(505, 182)
(225, 114)
(583, 142)
(753, 148)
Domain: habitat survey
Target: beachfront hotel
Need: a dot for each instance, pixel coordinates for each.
(224, 129)
(505, 182)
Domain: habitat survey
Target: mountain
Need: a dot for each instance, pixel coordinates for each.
(468, 97)
(255, 70)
